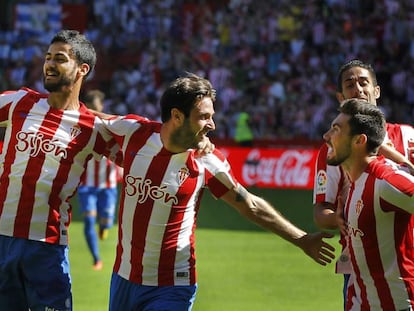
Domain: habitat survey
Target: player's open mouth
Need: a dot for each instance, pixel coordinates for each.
(329, 154)
(51, 75)
(202, 134)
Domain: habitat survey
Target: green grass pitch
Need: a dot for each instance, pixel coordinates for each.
(240, 266)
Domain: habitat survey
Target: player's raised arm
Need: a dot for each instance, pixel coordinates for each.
(265, 215)
(102, 115)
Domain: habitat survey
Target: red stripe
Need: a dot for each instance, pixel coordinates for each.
(119, 248)
(172, 231)
(371, 248)
(23, 107)
(143, 212)
(32, 173)
(354, 264)
(86, 123)
(321, 165)
(192, 260)
(4, 112)
(135, 143)
(404, 226)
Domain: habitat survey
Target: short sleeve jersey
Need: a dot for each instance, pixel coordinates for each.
(331, 181)
(44, 155)
(159, 203)
(379, 212)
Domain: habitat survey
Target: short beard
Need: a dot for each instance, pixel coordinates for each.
(57, 86)
(184, 137)
(334, 162)
(337, 161)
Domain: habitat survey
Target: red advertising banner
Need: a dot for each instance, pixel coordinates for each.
(273, 168)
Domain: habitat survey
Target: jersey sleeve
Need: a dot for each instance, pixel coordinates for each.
(329, 182)
(122, 126)
(7, 99)
(120, 129)
(397, 191)
(219, 175)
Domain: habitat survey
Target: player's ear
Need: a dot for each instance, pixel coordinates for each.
(177, 116)
(360, 139)
(340, 97)
(84, 69)
(377, 91)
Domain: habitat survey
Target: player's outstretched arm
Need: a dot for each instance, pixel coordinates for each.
(265, 215)
(102, 115)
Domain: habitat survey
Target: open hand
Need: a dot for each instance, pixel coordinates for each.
(316, 248)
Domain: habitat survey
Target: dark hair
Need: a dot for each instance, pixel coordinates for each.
(183, 93)
(82, 49)
(351, 64)
(365, 119)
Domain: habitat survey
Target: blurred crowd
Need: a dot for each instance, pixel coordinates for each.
(277, 60)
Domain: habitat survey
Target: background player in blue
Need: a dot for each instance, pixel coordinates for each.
(98, 192)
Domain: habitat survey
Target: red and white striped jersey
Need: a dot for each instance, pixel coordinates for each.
(44, 156)
(101, 174)
(159, 203)
(379, 212)
(331, 181)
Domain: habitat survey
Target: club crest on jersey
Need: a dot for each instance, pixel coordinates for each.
(75, 131)
(321, 180)
(358, 207)
(182, 175)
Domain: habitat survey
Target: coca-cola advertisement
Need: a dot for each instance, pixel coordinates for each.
(273, 168)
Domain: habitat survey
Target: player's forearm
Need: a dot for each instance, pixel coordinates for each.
(263, 214)
(392, 154)
(324, 216)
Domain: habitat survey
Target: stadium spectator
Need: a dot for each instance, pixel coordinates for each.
(378, 213)
(305, 41)
(243, 133)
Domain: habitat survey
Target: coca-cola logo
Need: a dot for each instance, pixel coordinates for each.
(291, 168)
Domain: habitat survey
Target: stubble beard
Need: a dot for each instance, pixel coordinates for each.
(57, 86)
(338, 160)
(62, 84)
(184, 137)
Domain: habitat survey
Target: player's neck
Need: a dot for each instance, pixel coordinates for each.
(355, 167)
(64, 100)
(165, 135)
